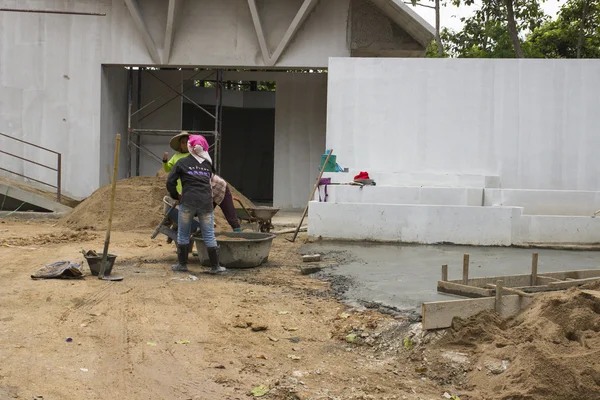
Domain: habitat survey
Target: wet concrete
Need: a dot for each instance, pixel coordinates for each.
(400, 278)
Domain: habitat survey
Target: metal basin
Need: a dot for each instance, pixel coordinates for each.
(236, 253)
(263, 213)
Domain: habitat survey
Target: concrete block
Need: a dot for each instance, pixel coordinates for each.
(311, 258)
(311, 269)
(401, 195)
(416, 178)
(558, 229)
(546, 202)
(424, 224)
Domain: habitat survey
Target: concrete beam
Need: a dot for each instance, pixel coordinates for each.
(297, 22)
(408, 19)
(138, 19)
(271, 59)
(260, 34)
(32, 198)
(172, 18)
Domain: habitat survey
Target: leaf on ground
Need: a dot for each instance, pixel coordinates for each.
(294, 357)
(151, 344)
(344, 315)
(284, 312)
(182, 342)
(259, 391)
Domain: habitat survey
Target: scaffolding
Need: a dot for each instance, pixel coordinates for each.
(135, 135)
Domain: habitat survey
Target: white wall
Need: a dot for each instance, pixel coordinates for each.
(300, 119)
(113, 121)
(532, 122)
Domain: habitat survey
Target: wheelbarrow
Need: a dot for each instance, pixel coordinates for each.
(261, 216)
(166, 226)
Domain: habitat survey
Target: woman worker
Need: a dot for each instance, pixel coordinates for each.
(195, 175)
(223, 197)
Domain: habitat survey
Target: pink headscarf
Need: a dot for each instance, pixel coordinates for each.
(198, 148)
(195, 140)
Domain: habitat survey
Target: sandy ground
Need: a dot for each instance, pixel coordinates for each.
(164, 335)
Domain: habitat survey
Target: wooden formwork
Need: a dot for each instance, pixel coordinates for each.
(508, 295)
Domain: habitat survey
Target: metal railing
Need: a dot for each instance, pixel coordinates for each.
(58, 168)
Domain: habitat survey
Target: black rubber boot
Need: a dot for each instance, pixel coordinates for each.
(182, 259)
(213, 256)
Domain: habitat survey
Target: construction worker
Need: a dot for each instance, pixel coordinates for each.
(222, 195)
(196, 200)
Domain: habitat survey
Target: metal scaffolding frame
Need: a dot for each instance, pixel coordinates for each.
(134, 137)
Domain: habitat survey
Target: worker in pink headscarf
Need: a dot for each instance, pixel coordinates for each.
(221, 194)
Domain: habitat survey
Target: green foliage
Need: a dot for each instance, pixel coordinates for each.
(560, 38)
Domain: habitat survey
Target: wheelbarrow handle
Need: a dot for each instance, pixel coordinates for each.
(245, 210)
(164, 221)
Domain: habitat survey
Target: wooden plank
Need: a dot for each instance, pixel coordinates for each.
(544, 280)
(577, 274)
(573, 283)
(534, 268)
(498, 303)
(439, 314)
(465, 280)
(509, 280)
(463, 290)
(592, 293)
(512, 290)
(444, 273)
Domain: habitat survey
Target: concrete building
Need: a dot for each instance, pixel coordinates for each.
(484, 152)
(64, 82)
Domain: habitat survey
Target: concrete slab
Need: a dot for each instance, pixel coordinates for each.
(404, 277)
(36, 200)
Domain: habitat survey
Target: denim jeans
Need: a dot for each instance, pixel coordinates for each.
(184, 226)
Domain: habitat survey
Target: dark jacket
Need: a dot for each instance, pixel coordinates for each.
(195, 181)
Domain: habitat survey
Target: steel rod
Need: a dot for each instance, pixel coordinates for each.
(53, 12)
(31, 144)
(169, 91)
(25, 159)
(138, 138)
(58, 177)
(129, 101)
(28, 177)
(182, 95)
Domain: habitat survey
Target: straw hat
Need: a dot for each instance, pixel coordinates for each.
(174, 143)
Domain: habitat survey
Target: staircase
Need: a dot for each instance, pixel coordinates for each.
(17, 197)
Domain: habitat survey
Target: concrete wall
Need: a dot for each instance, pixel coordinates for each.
(113, 120)
(51, 75)
(557, 230)
(373, 34)
(534, 123)
(300, 121)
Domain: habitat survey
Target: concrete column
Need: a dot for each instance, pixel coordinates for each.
(300, 122)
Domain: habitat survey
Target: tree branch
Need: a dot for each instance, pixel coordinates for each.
(419, 4)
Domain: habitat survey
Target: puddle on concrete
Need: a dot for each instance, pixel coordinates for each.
(399, 278)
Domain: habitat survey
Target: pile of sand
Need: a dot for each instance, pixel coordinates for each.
(550, 351)
(138, 206)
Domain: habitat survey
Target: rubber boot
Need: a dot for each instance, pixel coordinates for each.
(182, 259)
(237, 229)
(213, 256)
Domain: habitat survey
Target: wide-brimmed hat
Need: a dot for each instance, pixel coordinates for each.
(174, 143)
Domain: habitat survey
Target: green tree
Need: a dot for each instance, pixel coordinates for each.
(495, 29)
(574, 34)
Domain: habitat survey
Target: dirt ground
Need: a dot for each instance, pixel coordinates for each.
(165, 335)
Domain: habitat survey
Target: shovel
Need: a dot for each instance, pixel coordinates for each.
(110, 215)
